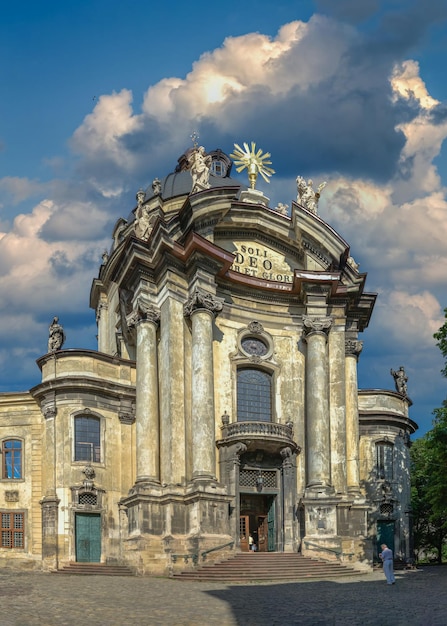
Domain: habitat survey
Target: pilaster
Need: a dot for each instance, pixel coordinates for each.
(353, 348)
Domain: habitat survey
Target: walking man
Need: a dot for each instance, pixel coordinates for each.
(387, 557)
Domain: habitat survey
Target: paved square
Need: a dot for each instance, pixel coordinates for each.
(419, 598)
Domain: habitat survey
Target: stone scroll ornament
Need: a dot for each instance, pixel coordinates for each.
(202, 300)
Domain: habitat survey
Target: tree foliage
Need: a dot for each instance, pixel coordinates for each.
(429, 475)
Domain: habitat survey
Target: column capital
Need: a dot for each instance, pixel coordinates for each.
(353, 347)
(143, 313)
(49, 412)
(202, 300)
(317, 325)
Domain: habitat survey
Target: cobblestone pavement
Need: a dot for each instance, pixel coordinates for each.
(419, 598)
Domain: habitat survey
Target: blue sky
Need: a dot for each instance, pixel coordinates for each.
(98, 98)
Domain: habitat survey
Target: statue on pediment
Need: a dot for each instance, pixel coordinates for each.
(307, 196)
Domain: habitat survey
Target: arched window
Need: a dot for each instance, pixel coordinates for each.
(384, 460)
(87, 439)
(254, 395)
(12, 458)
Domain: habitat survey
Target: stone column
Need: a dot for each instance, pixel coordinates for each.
(352, 351)
(146, 320)
(317, 404)
(102, 314)
(202, 308)
(171, 363)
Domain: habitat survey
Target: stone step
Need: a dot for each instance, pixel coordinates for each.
(270, 566)
(95, 569)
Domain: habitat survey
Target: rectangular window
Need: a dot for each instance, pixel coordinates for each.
(12, 459)
(12, 530)
(384, 460)
(87, 439)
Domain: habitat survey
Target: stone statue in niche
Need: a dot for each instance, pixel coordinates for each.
(307, 196)
(56, 336)
(400, 380)
(199, 163)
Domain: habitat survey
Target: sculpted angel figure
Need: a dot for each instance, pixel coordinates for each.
(199, 164)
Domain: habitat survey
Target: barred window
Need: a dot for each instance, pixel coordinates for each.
(88, 498)
(254, 395)
(87, 439)
(12, 530)
(12, 459)
(384, 460)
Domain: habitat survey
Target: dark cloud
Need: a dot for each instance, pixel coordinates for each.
(353, 11)
(438, 114)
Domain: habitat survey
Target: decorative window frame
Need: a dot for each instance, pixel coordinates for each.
(3, 476)
(102, 428)
(255, 330)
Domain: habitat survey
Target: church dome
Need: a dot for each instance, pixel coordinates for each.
(179, 182)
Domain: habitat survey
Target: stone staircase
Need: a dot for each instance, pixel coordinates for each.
(95, 569)
(269, 566)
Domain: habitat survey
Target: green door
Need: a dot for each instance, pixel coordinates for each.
(88, 538)
(385, 534)
(271, 527)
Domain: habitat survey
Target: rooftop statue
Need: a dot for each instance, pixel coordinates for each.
(307, 196)
(156, 187)
(282, 208)
(56, 336)
(400, 380)
(199, 163)
(254, 161)
(143, 226)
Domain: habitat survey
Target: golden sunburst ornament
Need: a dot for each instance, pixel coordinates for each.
(254, 161)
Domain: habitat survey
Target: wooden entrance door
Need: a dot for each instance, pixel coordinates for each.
(88, 538)
(271, 543)
(262, 533)
(244, 531)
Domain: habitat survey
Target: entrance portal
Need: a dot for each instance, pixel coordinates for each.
(385, 534)
(88, 537)
(257, 518)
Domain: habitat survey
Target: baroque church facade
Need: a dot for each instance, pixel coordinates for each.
(222, 401)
